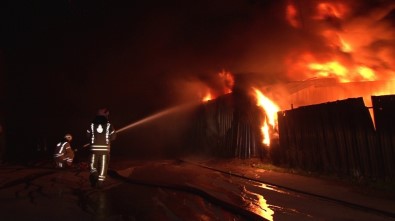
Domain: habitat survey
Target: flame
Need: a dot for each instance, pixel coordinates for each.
(366, 73)
(265, 133)
(345, 47)
(324, 11)
(207, 97)
(270, 109)
(354, 48)
(220, 85)
(345, 61)
(339, 46)
(228, 81)
(332, 68)
(330, 10)
(292, 16)
(341, 72)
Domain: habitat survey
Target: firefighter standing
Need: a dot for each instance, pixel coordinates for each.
(101, 132)
(64, 155)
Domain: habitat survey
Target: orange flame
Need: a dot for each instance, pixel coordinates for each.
(270, 109)
(207, 97)
(352, 50)
(333, 68)
(291, 16)
(355, 49)
(345, 47)
(224, 83)
(328, 10)
(341, 72)
(228, 81)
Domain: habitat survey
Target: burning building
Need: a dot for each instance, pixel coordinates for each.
(231, 125)
(340, 78)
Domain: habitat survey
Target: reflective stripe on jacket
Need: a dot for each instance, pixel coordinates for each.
(101, 133)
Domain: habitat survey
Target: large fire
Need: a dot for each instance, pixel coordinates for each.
(353, 49)
(353, 46)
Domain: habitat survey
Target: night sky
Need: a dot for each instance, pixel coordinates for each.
(62, 60)
(65, 59)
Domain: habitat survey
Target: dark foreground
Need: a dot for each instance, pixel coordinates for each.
(187, 189)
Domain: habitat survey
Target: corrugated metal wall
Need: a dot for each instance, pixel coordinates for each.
(384, 116)
(335, 137)
(339, 137)
(228, 130)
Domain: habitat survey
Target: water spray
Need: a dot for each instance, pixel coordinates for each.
(155, 116)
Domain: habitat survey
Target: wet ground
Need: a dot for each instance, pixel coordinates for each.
(188, 189)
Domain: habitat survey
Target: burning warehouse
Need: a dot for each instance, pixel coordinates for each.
(232, 124)
(334, 120)
(338, 136)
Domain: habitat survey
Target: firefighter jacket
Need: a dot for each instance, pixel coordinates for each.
(63, 151)
(100, 133)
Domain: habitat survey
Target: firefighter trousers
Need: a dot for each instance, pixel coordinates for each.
(98, 168)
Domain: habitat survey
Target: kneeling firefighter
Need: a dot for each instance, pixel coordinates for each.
(101, 132)
(64, 155)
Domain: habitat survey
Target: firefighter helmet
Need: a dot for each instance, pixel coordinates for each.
(103, 112)
(68, 137)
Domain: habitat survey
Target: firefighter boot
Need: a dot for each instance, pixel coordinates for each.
(93, 177)
(99, 184)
